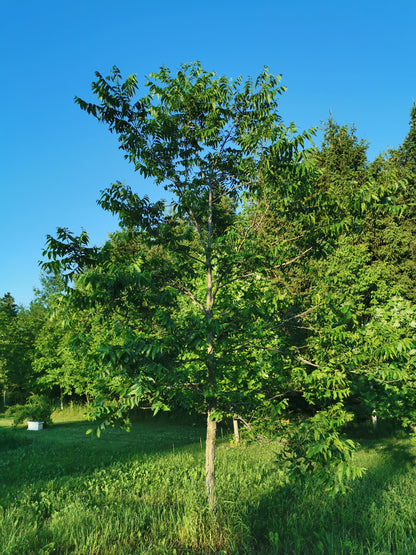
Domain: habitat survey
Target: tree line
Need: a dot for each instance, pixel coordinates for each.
(274, 286)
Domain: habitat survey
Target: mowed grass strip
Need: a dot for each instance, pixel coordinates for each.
(62, 491)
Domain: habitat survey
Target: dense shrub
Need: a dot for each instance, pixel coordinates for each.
(37, 407)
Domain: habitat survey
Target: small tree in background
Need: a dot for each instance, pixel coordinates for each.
(19, 327)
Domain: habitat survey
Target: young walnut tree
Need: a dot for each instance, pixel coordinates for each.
(206, 325)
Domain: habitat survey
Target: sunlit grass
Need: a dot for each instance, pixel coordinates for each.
(5, 422)
(71, 413)
(62, 491)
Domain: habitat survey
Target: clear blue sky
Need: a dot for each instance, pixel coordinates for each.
(354, 58)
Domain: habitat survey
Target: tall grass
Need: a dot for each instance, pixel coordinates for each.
(62, 491)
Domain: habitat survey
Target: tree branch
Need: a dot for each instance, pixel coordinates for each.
(185, 291)
(253, 226)
(296, 258)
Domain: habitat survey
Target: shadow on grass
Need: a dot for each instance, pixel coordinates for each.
(9, 440)
(64, 450)
(376, 515)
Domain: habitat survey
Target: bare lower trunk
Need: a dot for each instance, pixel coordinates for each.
(374, 418)
(210, 460)
(236, 431)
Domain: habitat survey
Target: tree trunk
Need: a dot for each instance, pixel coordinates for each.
(211, 424)
(210, 460)
(236, 431)
(374, 418)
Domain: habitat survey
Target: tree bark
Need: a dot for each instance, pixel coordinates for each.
(210, 460)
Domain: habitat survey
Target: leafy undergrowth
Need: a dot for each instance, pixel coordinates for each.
(62, 491)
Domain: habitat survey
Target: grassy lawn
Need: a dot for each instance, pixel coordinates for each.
(62, 491)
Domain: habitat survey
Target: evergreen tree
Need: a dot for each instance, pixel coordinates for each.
(406, 154)
(358, 286)
(394, 236)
